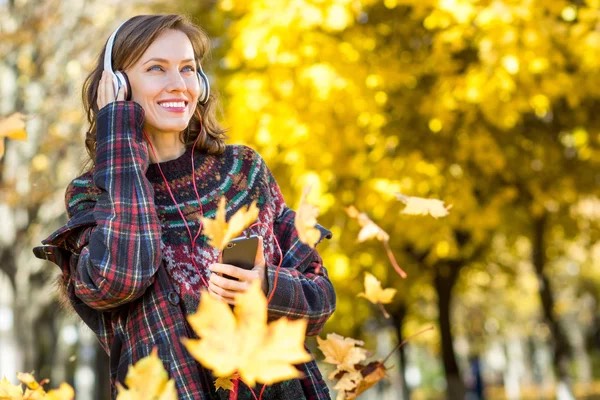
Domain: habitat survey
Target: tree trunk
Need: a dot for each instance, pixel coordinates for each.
(560, 345)
(446, 276)
(398, 314)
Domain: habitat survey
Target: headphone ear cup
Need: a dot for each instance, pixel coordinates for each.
(123, 82)
(204, 87)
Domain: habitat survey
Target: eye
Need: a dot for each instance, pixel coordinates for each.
(155, 68)
(188, 68)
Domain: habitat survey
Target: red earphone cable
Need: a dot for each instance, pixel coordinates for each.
(187, 227)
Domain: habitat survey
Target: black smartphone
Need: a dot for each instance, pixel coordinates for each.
(240, 252)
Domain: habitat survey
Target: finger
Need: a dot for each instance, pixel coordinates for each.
(220, 292)
(100, 96)
(120, 94)
(228, 284)
(221, 298)
(228, 269)
(259, 260)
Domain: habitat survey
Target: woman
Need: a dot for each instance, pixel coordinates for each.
(132, 253)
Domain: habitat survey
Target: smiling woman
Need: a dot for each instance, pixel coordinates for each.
(134, 258)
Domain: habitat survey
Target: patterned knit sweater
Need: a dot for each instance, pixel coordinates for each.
(124, 227)
(240, 175)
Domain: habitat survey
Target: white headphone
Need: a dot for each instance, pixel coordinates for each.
(120, 78)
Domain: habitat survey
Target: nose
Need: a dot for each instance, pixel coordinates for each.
(176, 81)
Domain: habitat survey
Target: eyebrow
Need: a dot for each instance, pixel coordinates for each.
(165, 61)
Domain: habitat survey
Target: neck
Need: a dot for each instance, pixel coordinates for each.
(166, 147)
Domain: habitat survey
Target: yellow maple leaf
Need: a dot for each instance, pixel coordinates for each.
(242, 342)
(374, 293)
(214, 319)
(13, 127)
(147, 379)
(421, 206)
(220, 232)
(306, 220)
(8, 391)
(341, 351)
(224, 383)
(64, 392)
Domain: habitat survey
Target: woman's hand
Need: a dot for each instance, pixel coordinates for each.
(226, 289)
(106, 91)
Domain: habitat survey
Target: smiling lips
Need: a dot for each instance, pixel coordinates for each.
(176, 106)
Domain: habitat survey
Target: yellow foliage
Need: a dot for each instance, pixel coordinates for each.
(243, 342)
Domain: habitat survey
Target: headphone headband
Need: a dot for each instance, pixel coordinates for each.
(109, 48)
(120, 79)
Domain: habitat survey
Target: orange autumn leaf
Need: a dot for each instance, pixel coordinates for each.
(220, 232)
(421, 206)
(241, 341)
(147, 379)
(353, 384)
(13, 127)
(374, 292)
(306, 220)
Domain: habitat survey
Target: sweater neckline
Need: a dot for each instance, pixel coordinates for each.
(173, 168)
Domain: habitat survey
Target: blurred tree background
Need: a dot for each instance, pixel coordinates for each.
(491, 106)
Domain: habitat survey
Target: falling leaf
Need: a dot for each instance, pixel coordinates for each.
(9, 391)
(242, 341)
(421, 206)
(342, 352)
(147, 379)
(374, 293)
(371, 374)
(351, 376)
(370, 230)
(220, 232)
(13, 127)
(306, 220)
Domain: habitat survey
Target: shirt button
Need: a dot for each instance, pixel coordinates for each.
(173, 298)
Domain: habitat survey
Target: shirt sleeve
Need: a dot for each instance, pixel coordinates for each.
(301, 286)
(119, 256)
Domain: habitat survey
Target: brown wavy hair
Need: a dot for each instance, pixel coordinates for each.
(132, 40)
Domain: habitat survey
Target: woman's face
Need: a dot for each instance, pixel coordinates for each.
(164, 82)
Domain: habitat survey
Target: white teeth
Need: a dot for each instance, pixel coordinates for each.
(173, 104)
